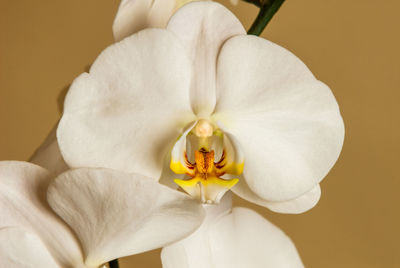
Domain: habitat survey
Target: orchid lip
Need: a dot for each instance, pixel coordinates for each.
(204, 171)
(206, 183)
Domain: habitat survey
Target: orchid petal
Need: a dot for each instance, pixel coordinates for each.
(179, 155)
(287, 121)
(211, 24)
(245, 239)
(118, 214)
(194, 251)
(119, 116)
(238, 239)
(23, 204)
(234, 155)
(48, 155)
(135, 15)
(21, 249)
(297, 205)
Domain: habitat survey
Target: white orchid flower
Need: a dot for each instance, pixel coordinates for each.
(233, 238)
(228, 111)
(135, 15)
(238, 112)
(112, 214)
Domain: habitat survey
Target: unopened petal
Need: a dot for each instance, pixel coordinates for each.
(134, 102)
(287, 122)
(23, 204)
(118, 214)
(204, 27)
(135, 15)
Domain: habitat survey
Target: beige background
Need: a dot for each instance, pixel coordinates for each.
(353, 46)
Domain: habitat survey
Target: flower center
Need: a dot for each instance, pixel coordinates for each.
(203, 172)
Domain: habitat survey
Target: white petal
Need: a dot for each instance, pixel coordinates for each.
(134, 102)
(48, 155)
(136, 15)
(245, 239)
(287, 122)
(21, 249)
(239, 239)
(211, 24)
(297, 205)
(23, 204)
(194, 251)
(118, 214)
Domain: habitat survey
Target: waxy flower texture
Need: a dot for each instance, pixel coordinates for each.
(155, 136)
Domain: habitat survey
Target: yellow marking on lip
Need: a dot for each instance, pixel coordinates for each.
(234, 168)
(208, 190)
(214, 180)
(178, 168)
(221, 182)
(186, 183)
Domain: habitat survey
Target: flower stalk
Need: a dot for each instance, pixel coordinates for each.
(268, 8)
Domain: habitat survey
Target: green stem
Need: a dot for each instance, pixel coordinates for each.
(114, 263)
(267, 11)
(258, 3)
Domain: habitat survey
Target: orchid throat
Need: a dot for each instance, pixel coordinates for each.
(204, 154)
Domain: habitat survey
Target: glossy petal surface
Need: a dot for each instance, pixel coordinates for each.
(118, 214)
(287, 122)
